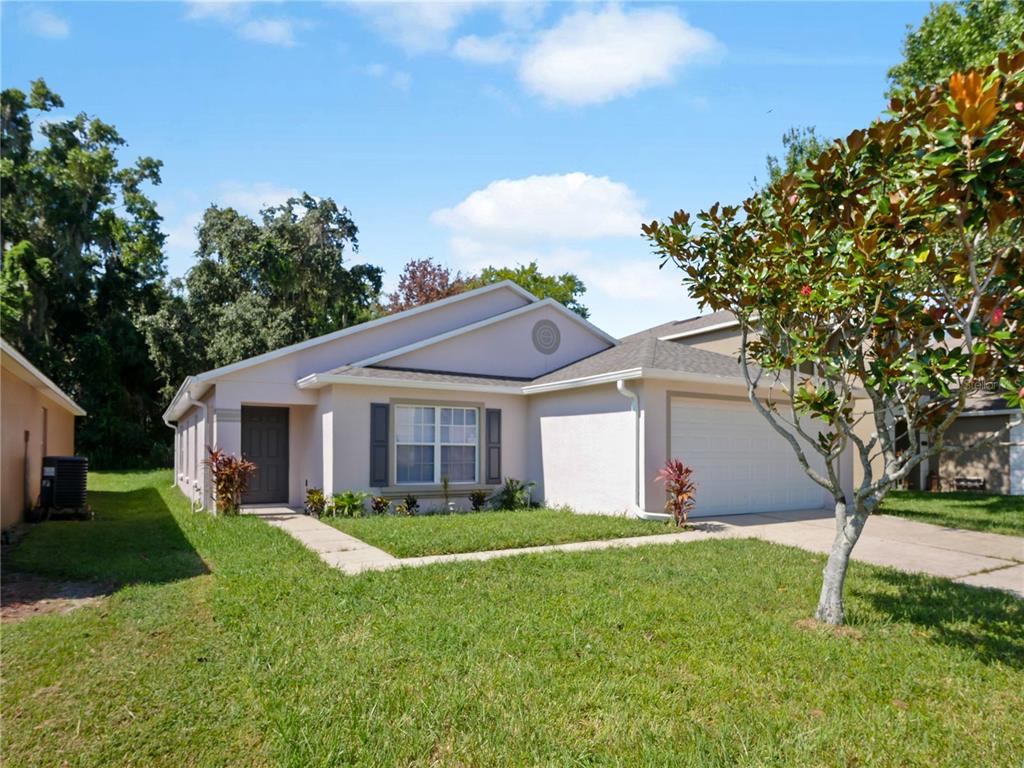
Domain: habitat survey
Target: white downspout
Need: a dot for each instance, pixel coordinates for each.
(638, 511)
(200, 487)
(174, 479)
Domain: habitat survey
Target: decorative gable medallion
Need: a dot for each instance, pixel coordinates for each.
(546, 337)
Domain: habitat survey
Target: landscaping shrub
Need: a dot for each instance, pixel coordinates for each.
(230, 479)
(678, 480)
(349, 503)
(409, 507)
(514, 494)
(316, 502)
(380, 505)
(477, 499)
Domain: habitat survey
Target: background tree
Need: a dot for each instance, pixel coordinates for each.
(81, 261)
(259, 286)
(800, 145)
(855, 314)
(955, 37)
(423, 281)
(567, 289)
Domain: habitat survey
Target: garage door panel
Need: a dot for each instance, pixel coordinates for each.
(740, 463)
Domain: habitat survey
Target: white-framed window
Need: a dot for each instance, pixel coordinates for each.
(436, 441)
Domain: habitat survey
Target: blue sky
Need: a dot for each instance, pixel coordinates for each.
(476, 133)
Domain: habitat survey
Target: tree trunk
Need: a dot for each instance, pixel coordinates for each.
(848, 530)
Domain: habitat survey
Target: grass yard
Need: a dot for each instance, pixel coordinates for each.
(477, 531)
(975, 511)
(239, 647)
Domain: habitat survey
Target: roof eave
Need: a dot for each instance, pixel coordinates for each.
(50, 390)
(320, 380)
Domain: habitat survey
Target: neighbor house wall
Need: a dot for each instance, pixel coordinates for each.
(990, 463)
(581, 447)
(725, 341)
(349, 418)
(21, 411)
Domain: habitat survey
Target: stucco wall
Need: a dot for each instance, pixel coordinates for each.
(22, 411)
(581, 449)
(375, 340)
(506, 348)
(725, 341)
(347, 456)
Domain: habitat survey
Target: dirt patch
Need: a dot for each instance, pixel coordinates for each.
(813, 625)
(23, 595)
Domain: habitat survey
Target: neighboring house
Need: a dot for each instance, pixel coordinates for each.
(489, 384)
(998, 467)
(36, 419)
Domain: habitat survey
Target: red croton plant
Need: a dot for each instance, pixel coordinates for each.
(230, 479)
(876, 288)
(680, 488)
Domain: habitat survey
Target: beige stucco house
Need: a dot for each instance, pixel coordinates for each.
(489, 384)
(37, 419)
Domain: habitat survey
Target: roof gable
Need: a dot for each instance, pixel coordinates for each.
(525, 342)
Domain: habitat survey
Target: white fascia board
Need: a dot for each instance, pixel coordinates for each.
(48, 388)
(174, 410)
(699, 331)
(280, 352)
(318, 380)
(583, 381)
(993, 412)
(632, 373)
(392, 353)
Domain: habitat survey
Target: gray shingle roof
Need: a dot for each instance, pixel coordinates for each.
(685, 326)
(647, 352)
(639, 350)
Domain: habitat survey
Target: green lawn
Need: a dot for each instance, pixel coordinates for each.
(473, 532)
(683, 655)
(974, 511)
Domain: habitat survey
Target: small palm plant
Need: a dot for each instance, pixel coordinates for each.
(678, 480)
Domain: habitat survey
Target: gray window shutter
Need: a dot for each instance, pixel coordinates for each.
(379, 413)
(493, 445)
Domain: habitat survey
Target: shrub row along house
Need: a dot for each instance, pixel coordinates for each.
(488, 384)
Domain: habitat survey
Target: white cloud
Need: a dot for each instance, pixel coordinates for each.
(42, 22)
(484, 50)
(416, 27)
(271, 31)
(239, 17)
(594, 56)
(250, 198)
(568, 206)
(221, 11)
(398, 78)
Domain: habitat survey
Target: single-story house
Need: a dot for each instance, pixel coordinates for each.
(38, 419)
(489, 384)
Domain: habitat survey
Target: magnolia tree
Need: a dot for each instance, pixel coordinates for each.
(876, 288)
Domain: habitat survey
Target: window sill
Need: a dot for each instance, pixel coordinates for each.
(432, 491)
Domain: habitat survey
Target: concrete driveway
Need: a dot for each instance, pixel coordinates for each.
(981, 559)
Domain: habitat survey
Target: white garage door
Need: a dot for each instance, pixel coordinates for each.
(740, 464)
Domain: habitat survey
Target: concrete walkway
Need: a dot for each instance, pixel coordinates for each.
(980, 559)
(337, 549)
